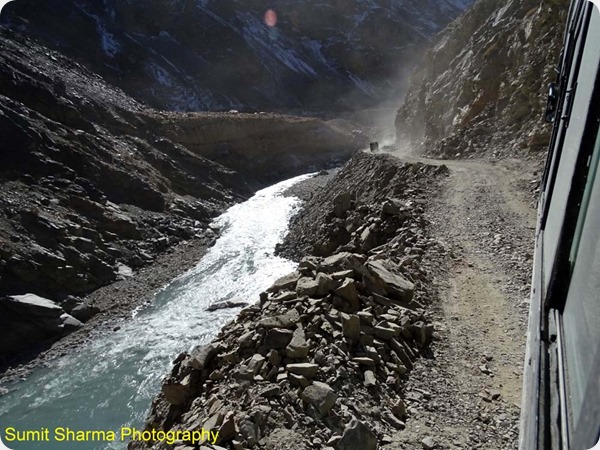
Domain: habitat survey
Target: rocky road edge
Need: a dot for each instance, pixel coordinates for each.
(321, 361)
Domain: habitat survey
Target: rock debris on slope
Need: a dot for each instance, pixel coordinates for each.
(320, 229)
(322, 359)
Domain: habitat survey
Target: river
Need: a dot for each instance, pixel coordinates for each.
(110, 382)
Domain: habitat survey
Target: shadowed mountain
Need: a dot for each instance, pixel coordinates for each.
(191, 55)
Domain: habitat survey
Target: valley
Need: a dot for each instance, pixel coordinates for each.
(194, 234)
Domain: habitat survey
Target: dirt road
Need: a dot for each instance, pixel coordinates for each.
(467, 395)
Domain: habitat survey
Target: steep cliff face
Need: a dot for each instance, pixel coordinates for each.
(219, 54)
(482, 87)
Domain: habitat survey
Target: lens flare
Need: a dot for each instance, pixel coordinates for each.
(270, 18)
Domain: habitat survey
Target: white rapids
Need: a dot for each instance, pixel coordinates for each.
(110, 382)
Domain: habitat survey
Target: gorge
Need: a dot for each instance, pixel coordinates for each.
(166, 263)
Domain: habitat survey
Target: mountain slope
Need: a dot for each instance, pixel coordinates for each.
(482, 87)
(190, 55)
(73, 149)
(94, 185)
(85, 147)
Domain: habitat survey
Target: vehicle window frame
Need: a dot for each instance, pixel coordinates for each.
(544, 422)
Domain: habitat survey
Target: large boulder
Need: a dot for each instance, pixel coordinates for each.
(286, 320)
(32, 306)
(278, 338)
(298, 347)
(344, 261)
(84, 312)
(342, 203)
(348, 292)
(307, 286)
(324, 284)
(202, 355)
(357, 436)
(319, 395)
(386, 279)
(120, 224)
(287, 282)
(28, 321)
(177, 392)
(351, 326)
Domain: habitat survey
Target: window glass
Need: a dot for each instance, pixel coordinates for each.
(585, 85)
(581, 318)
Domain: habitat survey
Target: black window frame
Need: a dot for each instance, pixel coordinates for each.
(545, 417)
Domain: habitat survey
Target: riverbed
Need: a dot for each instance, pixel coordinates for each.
(109, 383)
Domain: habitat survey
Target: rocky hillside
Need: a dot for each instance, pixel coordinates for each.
(222, 54)
(481, 88)
(321, 361)
(320, 230)
(95, 185)
(264, 147)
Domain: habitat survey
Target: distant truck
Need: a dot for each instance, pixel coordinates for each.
(561, 395)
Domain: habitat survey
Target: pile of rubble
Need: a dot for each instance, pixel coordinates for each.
(321, 360)
(373, 196)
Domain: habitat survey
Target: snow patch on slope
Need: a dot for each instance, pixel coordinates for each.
(160, 75)
(108, 42)
(269, 43)
(315, 49)
(363, 85)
